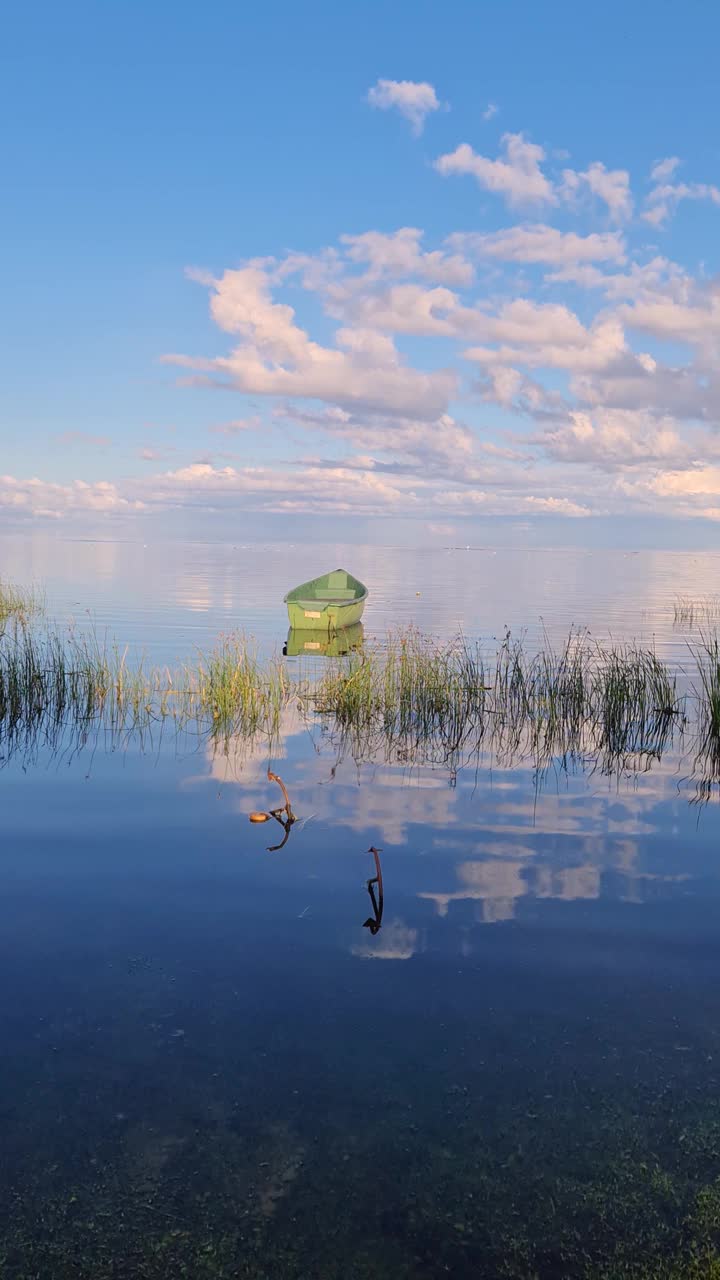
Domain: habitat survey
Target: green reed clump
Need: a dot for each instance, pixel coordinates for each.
(634, 703)
(231, 688)
(542, 700)
(50, 682)
(707, 658)
(46, 686)
(415, 698)
(19, 604)
(409, 692)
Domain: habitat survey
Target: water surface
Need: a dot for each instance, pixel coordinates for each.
(213, 1067)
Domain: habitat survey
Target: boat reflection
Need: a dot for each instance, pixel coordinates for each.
(333, 644)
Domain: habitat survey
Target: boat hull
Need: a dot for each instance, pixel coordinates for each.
(328, 603)
(320, 615)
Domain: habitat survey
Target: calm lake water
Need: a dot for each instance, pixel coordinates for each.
(213, 1067)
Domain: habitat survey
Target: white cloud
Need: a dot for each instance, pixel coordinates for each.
(276, 357)
(551, 336)
(35, 497)
(490, 111)
(664, 199)
(516, 176)
(689, 493)
(305, 488)
(437, 442)
(406, 308)
(398, 254)
(666, 195)
(612, 186)
(696, 321)
(648, 279)
(493, 503)
(415, 100)
(614, 439)
(358, 489)
(664, 169)
(540, 243)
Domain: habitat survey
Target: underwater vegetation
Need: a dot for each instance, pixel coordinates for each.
(603, 1196)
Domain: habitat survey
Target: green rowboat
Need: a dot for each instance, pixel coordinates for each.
(328, 603)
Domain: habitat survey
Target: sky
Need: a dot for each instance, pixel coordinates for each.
(433, 267)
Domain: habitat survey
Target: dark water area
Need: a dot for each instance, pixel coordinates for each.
(213, 1067)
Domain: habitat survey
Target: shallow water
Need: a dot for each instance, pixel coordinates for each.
(213, 1067)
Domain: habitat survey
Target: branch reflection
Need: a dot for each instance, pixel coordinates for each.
(374, 922)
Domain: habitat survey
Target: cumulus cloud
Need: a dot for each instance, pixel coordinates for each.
(436, 442)
(415, 100)
(540, 243)
(35, 497)
(406, 308)
(695, 321)
(398, 254)
(613, 439)
(516, 175)
(666, 195)
(640, 280)
(490, 111)
(611, 186)
(547, 335)
(276, 357)
(690, 493)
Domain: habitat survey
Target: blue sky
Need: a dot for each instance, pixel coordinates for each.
(164, 158)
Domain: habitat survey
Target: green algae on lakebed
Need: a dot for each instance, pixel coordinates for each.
(586, 1199)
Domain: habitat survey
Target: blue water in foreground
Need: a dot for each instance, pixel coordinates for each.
(212, 1066)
